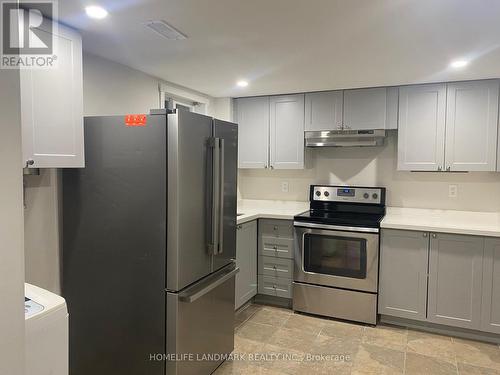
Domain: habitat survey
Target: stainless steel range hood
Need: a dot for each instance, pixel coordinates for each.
(345, 138)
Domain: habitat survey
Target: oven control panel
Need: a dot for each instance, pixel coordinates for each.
(348, 194)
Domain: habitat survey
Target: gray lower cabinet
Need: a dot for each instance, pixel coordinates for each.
(275, 257)
(246, 260)
(455, 277)
(276, 228)
(275, 286)
(447, 279)
(404, 258)
(276, 247)
(490, 308)
(276, 267)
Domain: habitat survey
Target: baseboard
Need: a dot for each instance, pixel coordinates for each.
(273, 301)
(442, 329)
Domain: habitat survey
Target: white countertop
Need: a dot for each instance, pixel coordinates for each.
(268, 209)
(430, 220)
(445, 221)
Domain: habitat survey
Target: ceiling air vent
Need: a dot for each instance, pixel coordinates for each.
(165, 30)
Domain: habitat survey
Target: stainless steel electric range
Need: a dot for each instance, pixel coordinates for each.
(337, 252)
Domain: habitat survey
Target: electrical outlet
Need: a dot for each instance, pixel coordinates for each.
(285, 188)
(453, 191)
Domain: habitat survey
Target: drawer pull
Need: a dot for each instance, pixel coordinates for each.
(275, 227)
(274, 268)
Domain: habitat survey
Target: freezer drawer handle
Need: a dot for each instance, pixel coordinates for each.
(191, 297)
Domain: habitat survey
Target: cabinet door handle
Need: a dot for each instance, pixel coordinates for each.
(271, 167)
(265, 166)
(440, 169)
(448, 168)
(434, 235)
(425, 234)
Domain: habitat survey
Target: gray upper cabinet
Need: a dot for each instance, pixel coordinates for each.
(323, 110)
(253, 132)
(403, 274)
(287, 132)
(422, 116)
(455, 277)
(490, 308)
(365, 109)
(472, 126)
(391, 121)
(448, 127)
(246, 260)
(360, 109)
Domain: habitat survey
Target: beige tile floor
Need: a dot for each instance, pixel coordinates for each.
(271, 340)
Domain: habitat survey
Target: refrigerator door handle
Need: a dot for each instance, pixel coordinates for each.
(221, 196)
(214, 240)
(198, 291)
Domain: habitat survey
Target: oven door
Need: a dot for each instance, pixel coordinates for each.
(337, 258)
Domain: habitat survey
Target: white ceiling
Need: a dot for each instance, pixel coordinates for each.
(283, 46)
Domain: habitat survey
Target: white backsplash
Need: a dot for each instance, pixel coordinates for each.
(375, 166)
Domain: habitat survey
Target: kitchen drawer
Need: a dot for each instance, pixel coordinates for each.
(277, 267)
(275, 286)
(276, 247)
(276, 228)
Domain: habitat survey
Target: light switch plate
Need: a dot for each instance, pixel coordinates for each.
(453, 191)
(285, 188)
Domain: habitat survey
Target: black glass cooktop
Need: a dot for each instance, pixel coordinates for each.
(353, 219)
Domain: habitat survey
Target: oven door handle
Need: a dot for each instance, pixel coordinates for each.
(335, 227)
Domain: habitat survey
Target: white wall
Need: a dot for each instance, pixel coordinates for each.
(11, 228)
(108, 89)
(114, 89)
(223, 109)
(376, 166)
(41, 237)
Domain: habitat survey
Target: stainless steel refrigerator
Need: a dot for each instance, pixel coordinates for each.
(149, 238)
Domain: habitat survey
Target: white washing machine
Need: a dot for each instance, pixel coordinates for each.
(46, 321)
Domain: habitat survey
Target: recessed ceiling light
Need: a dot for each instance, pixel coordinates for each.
(458, 64)
(97, 12)
(242, 83)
